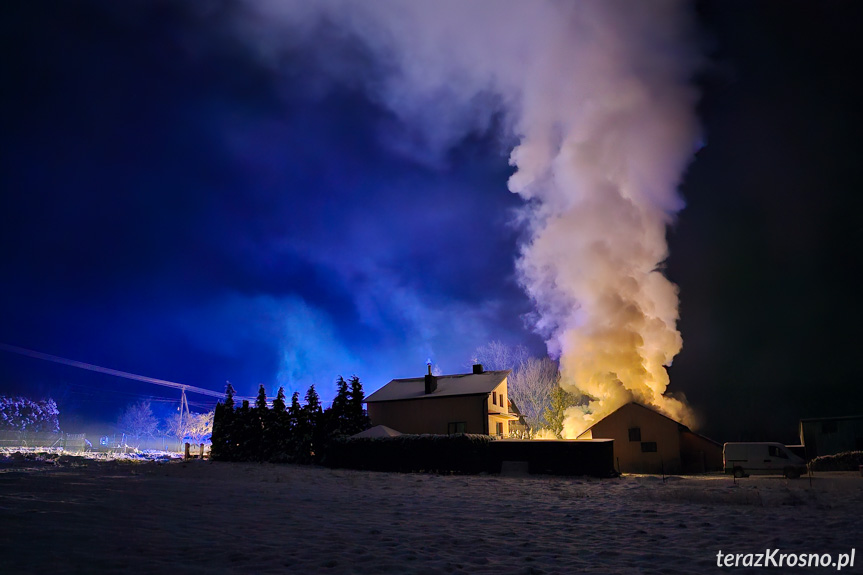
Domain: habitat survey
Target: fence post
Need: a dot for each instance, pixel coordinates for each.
(202, 452)
(187, 451)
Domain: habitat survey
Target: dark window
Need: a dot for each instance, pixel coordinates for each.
(502, 402)
(635, 434)
(500, 428)
(829, 427)
(455, 427)
(648, 446)
(494, 397)
(774, 451)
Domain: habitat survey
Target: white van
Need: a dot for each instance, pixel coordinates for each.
(764, 458)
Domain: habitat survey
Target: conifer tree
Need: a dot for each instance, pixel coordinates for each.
(337, 417)
(245, 433)
(261, 401)
(258, 449)
(294, 412)
(358, 420)
(295, 428)
(310, 428)
(217, 439)
(276, 429)
(279, 405)
(223, 439)
(229, 396)
(554, 414)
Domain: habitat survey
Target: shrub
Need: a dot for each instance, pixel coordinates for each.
(847, 461)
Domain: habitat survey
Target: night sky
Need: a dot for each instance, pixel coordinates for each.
(176, 206)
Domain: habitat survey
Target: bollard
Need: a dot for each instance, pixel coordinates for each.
(202, 452)
(187, 452)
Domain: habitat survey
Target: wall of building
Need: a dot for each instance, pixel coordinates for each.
(699, 454)
(829, 436)
(432, 415)
(653, 428)
(496, 403)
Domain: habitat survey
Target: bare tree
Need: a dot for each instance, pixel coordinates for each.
(199, 426)
(496, 355)
(138, 421)
(194, 426)
(531, 386)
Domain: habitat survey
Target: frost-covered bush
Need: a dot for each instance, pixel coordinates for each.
(24, 414)
(847, 461)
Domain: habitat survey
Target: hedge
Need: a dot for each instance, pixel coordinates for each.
(847, 461)
(458, 453)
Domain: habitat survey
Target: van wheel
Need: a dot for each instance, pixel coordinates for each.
(792, 473)
(738, 472)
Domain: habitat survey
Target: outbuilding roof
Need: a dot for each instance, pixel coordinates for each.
(447, 385)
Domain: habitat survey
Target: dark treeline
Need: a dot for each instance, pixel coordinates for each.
(286, 433)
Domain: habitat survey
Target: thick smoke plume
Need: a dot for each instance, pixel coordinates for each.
(598, 95)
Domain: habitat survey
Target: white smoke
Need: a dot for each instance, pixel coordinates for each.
(598, 94)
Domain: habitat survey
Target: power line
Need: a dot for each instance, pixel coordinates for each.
(109, 371)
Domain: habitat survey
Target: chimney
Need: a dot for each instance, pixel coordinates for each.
(431, 381)
(477, 368)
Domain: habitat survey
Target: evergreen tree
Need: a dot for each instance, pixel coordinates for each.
(245, 433)
(358, 420)
(295, 428)
(223, 448)
(337, 417)
(310, 430)
(258, 448)
(279, 405)
(294, 412)
(313, 404)
(229, 396)
(261, 401)
(276, 430)
(554, 414)
(341, 400)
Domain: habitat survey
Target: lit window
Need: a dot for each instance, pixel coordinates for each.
(648, 447)
(635, 434)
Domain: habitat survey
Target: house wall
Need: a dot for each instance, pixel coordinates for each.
(496, 403)
(831, 435)
(432, 415)
(698, 454)
(654, 428)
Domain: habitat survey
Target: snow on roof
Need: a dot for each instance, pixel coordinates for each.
(378, 431)
(447, 385)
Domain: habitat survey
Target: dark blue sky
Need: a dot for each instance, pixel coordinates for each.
(174, 206)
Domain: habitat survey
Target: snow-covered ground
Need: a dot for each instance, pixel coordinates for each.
(79, 515)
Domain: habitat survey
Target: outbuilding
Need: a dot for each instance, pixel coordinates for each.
(646, 441)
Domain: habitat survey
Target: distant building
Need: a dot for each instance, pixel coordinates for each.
(831, 435)
(645, 441)
(475, 402)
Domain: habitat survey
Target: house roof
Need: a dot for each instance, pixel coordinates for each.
(447, 386)
(683, 427)
(839, 418)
